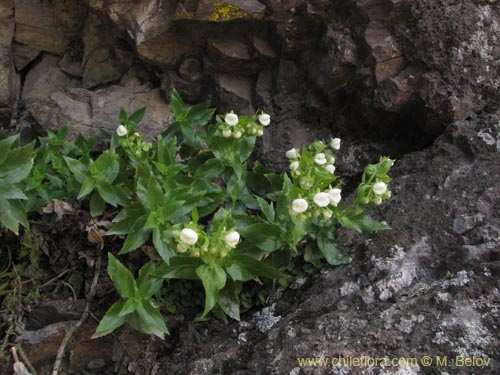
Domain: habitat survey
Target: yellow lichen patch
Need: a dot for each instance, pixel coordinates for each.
(226, 12)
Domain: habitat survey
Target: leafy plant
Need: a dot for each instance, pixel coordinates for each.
(136, 307)
(196, 208)
(15, 165)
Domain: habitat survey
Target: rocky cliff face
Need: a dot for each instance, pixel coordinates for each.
(414, 79)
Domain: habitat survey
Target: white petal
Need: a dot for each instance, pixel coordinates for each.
(189, 236)
(322, 199)
(335, 143)
(264, 119)
(121, 131)
(300, 205)
(231, 119)
(330, 168)
(291, 154)
(232, 238)
(320, 159)
(379, 188)
(294, 165)
(226, 133)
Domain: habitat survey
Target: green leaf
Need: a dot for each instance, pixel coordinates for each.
(244, 268)
(97, 205)
(122, 117)
(79, 170)
(17, 164)
(122, 278)
(135, 239)
(126, 219)
(245, 148)
(129, 307)
(5, 146)
(137, 116)
(107, 166)
(161, 245)
(149, 320)
(12, 214)
(177, 106)
(361, 223)
(229, 302)
(266, 208)
(9, 191)
(179, 268)
(331, 251)
(199, 114)
(166, 150)
(110, 321)
(87, 187)
(146, 282)
(107, 192)
(263, 235)
(213, 279)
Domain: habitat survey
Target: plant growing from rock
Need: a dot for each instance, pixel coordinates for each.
(212, 218)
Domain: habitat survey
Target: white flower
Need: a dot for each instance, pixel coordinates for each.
(189, 236)
(335, 143)
(231, 119)
(291, 154)
(294, 165)
(299, 205)
(322, 199)
(379, 188)
(121, 131)
(320, 159)
(264, 119)
(335, 196)
(237, 135)
(226, 133)
(330, 168)
(260, 132)
(232, 238)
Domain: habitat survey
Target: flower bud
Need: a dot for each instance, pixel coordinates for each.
(322, 199)
(231, 119)
(260, 132)
(377, 200)
(237, 135)
(226, 133)
(291, 154)
(320, 159)
(121, 131)
(330, 168)
(305, 183)
(181, 248)
(335, 143)
(380, 188)
(299, 205)
(294, 165)
(264, 119)
(327, 214)
(331, 160)
(189, 236)
(232, 238)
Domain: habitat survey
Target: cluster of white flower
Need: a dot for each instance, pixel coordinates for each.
(322, 158)
(234, 128)
(189, 237)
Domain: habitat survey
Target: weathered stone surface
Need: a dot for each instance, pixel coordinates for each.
(234, 93)
(219, 11)
(47, 25)
(167, 49)
(191, 69)
(7, 75)
(53, 99)
(189, 91)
